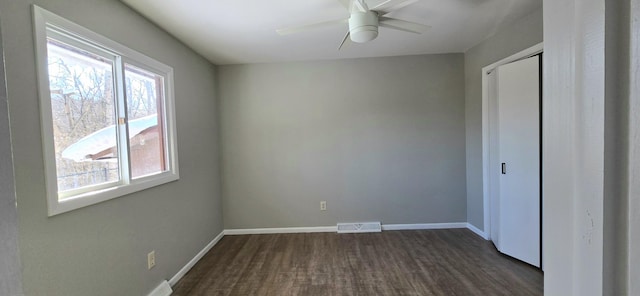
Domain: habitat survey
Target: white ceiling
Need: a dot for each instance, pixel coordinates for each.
(241, 32)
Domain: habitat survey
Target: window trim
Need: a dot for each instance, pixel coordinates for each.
(43, 20)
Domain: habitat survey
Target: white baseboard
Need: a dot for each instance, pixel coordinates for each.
(174, 280)
(162, 290)
(424, 226)
(280, 230)
(477, 231)
(334, 228)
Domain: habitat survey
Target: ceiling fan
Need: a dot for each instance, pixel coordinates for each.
(364, 21)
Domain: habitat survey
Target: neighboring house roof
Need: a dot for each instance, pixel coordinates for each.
(104, 139)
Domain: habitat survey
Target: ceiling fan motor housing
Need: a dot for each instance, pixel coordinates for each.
(363, 26)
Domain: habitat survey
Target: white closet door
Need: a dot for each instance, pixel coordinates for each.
(519, 150)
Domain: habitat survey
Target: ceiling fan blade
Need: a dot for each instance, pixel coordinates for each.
(360, 5)
(346, 41)
(354, 4)
(401, 25)
(296, 29)
(391, 5)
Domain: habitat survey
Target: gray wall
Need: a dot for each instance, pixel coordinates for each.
(378, 138)
(10, 271)
(519, 36)
(101, 249)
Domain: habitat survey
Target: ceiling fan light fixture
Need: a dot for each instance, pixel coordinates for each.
(363, 26)
(364, 34)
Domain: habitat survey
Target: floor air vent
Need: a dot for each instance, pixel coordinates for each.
(359, 227)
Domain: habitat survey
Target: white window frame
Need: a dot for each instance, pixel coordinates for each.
(92, 42)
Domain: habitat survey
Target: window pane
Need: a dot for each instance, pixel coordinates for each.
(144, 92)
(83, 111)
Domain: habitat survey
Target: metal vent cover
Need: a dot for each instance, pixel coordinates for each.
(359, 227)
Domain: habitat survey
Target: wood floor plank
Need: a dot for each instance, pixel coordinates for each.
(421, 262)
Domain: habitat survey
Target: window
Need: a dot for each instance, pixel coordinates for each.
(107, 116)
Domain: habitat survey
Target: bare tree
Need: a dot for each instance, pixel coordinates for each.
(83, 102)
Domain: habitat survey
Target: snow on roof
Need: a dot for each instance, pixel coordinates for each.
(105, 138)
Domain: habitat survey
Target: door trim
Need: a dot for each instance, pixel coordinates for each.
(487, 134)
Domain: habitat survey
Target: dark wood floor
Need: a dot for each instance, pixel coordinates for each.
(423, 262)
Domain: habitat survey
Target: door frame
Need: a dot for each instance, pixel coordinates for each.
(488, 134)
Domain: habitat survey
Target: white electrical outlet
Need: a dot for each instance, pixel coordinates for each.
(323, 205)
(151, 259)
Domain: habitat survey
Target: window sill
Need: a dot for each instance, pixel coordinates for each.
(93, 197)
